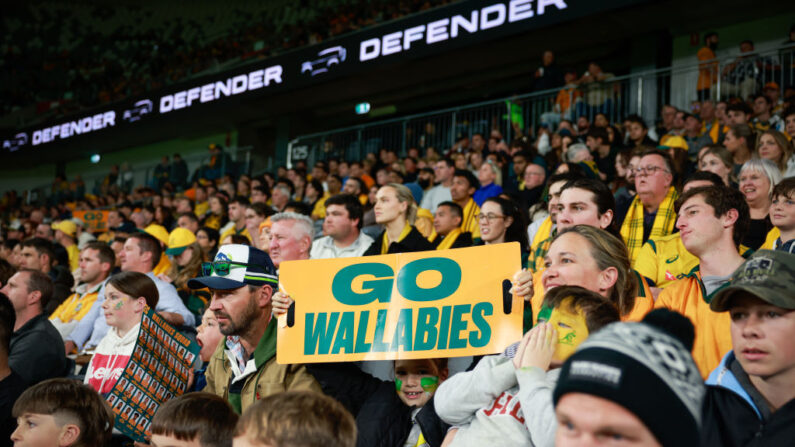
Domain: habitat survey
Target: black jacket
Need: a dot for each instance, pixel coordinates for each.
(731, 419)
(382, 419)
(37, 351)
(463, 240)
(415, 241)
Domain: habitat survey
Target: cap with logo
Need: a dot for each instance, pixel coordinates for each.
(66, 226)
(235, 266)
(768, 275)
(179, 240)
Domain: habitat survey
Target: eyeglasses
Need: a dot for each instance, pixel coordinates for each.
(222, 268)
(489, 217)
(649, 170)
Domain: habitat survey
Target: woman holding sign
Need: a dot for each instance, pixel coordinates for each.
(396, 210)
(126, 296)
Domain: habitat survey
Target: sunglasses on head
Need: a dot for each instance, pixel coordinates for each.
(222, 268)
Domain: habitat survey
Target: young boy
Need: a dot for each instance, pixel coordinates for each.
(782, 215)
(508, 397)
(61, 413)
(750, 397)
(194, 420)
(296, 419)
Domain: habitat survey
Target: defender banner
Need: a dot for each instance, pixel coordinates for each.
(403, 306)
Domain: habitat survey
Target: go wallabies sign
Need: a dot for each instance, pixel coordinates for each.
(403, 306)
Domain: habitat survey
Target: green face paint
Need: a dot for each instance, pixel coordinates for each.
(544, 314)
(119, 305)
(429, 384)
(398, 384)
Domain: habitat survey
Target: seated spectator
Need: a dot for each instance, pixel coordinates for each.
(718, 160)
(296, 419)
(237, 219)
(11, 383)
(377, 406)
(37, 254)
(342, 229)
(532, 185)
(789, 121)
(758, 177)
(508, 396)
(490, 179)
(290, 237)
(208, 240)
(395, 210)
(782, 216)
(764, 119)
(208, 336)
(740, 142)
(615, 389)
(96, 263)
(242, 306)
(256, 213)
(463, 187)
(65, 234)
(194, 419)
(712, 221)
(651, 213)
(665, 259)
(63, 413)
(750, 394)
(774, 146)
(126, 296)
(35, 345)
(443, 171)
(604, 154)
(447, 223)
(638, 132)
(187, 257)
(501, 221)
(540, 231)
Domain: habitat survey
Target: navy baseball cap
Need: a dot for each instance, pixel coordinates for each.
(236, 266)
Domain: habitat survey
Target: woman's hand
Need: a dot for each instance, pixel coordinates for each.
(164, 277)
(281, 302)
(523, 284)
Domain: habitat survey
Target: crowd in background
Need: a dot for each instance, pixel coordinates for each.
(616, 221)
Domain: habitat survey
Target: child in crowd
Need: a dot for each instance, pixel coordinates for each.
(782, 215)
(208, 335)
(508, 397)
(194, 420)
(61, 413)
(296, 419)
(126, 296)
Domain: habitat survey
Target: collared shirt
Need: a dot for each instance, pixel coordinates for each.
(325, 248)
(69, 313)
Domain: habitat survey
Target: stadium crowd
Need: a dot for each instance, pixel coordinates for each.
(658, 276)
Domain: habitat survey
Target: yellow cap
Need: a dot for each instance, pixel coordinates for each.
(158, 231)
(676, 142)
(67, 226)
(179, 240)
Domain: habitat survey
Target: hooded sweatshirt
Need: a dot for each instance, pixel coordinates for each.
(495, 402)
(110, 359)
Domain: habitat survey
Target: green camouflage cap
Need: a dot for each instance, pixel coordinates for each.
(769, 275)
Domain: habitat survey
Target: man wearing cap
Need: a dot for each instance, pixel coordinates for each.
(83, 236)
(712, 222)
(65, 231)
(632, 383)
(139, 254)
(750, 397)
(243, 368)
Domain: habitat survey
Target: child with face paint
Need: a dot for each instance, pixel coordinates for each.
(126, 296)
(508, 397)
(389, 414)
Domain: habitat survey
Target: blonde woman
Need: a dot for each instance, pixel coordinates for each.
(774, 146)
(396, 210)
(187, 257)
(718, 160)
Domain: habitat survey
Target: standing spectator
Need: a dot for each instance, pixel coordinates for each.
(651, 213)
(242, 305)
(342, 229)
(712, 221)
(741, 74)
(598, 95)
(162, 173)
(750, 395)
(548, 76)
(35, 352)
(179, 172)
(707, 72)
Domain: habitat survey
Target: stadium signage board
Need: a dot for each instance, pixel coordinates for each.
(446, 28)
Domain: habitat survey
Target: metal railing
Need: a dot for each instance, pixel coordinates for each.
(616, 97)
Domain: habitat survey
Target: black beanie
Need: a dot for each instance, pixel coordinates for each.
(645, 370)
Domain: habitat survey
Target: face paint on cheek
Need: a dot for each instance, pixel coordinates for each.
(544, 314)
(119, 305)
(571, 330)
(429, 384)
(398, 384)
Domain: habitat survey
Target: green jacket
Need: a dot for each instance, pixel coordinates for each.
(270, 377)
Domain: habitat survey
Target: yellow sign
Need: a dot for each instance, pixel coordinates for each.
(96, 221)
(447, 303)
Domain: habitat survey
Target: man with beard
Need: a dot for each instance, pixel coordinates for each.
(243, 368)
